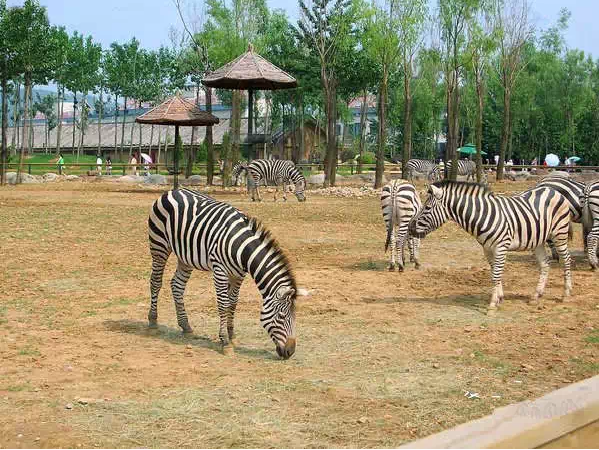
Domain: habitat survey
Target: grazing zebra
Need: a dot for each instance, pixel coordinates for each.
(572, 191)
(240, 172)
(501, 224)
(590, 218)
(424, 166)
(466, 168)
(400, 202)
(206, 234)
(276, 171)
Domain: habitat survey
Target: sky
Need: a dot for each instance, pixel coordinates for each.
(150, 20)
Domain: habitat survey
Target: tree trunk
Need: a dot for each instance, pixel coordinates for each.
(159, 143)
(363, 110)
(140, 134)
(331, 155)
(74, 123)
(100, 123)
(407, 126)
(302, 144)
(190, 154)
(453, 116)
(380, 153)
(123, 129)
(116, 126)
(479, 128)
(24, 137)
(15, 119)
(131, 139)
(60, 109)
(151, 139)
(4, 130)
(209, 143)
(505, 131)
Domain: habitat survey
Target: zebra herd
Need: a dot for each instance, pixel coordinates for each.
(210, 235)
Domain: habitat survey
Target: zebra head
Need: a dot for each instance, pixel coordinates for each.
(278, 319)
(432, 215)
(300, 186)
(236, 172)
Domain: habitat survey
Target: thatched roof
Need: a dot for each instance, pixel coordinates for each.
(250, 71)
(177, 111)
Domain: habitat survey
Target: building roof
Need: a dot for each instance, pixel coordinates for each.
(177, 111)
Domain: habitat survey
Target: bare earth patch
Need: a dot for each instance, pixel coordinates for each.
(383, 358)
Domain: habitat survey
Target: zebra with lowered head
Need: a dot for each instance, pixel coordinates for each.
(590, 218)
(466, 168)
(206, 234)
(501, 224)
(423, 166)
(276, 171)
(400, 202)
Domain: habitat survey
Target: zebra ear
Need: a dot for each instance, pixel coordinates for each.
(436, 191)
(285, 292)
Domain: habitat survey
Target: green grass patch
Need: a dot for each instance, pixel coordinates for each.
(29, 351)
(593, 338)
(19, 387)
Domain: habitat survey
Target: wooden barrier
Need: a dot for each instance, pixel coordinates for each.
(565, 418)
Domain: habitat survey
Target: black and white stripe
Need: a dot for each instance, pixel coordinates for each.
(590, 218)
(501, 224)
(276, 172)
(425, 167)
(399, 203)
(206, 234)
(466, 168)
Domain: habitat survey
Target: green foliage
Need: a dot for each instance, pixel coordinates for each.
(368, 158)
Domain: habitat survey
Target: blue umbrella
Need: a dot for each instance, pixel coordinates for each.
(552, 160)
(573, 159)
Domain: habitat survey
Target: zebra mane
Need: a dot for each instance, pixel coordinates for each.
(449, 183)
(271, 243)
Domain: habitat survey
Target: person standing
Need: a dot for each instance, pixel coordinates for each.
(60, 164)
(108, 166)
(99, 164)
(133, 163)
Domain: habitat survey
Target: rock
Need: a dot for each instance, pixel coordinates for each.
(50, 177)
(316, 179)
(189, 347)
(193, 180)
(155, 179)
(436, 365)
(68, 406)
(337, 191)
(19, 436)
(303, 292)
(88, 401)
(131, 179)
(11, 178)
(72, 177)
(363, 419)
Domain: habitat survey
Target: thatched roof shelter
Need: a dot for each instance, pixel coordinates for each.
(250, 71)
(178, 112)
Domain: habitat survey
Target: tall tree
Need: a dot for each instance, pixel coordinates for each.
(324, 25)
(60, 53)
(515, 30)
(7, 71)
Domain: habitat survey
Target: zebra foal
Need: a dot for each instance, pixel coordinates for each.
(206, 234)
(501, 224)
(399, 203)
(276, 171)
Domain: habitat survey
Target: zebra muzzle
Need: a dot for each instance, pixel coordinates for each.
(288, 350)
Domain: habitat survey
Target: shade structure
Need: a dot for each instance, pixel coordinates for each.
(177, 111)
(250, 72)
(470, 149)
(552, 160)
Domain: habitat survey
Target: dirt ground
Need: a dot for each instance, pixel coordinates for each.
(382, 358)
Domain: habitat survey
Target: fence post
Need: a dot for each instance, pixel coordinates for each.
(123, 170)
(29, 168)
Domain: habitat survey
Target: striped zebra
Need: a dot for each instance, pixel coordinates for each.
(466, 168)
(400, 202)
(424, 166)
(572, 191)
(206, 234)
(239, 173)
(276, 171)
(590, 218)
(501, 224)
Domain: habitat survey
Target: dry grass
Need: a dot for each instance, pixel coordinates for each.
(382, 357)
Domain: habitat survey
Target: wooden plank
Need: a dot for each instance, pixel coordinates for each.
(528, 424)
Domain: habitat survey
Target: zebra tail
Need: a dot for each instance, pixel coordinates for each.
(391, 224)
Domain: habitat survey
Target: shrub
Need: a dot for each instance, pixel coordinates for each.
(347, 154)
(368, 158)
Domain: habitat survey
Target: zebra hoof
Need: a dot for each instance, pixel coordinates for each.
(228, 350)
(400, 269)
(187, 330)
(417, 266)
(234, 342)
(391, 268)
(153, 323)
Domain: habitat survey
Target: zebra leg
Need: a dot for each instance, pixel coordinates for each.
(400, 243)
(393, 251)
(554, 253)
(158, 263)
(234, 285)
(564, 254)
(541, 256)
(178, 284)
(221, 285)
(284, 192)
(496, 258)
(414, 251)
(592, 248)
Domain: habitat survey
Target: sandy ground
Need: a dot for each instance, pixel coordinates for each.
(382, 358)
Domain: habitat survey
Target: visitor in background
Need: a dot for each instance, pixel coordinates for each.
(60, 164)
(99, 164)
(133, 163)
(108, 166)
